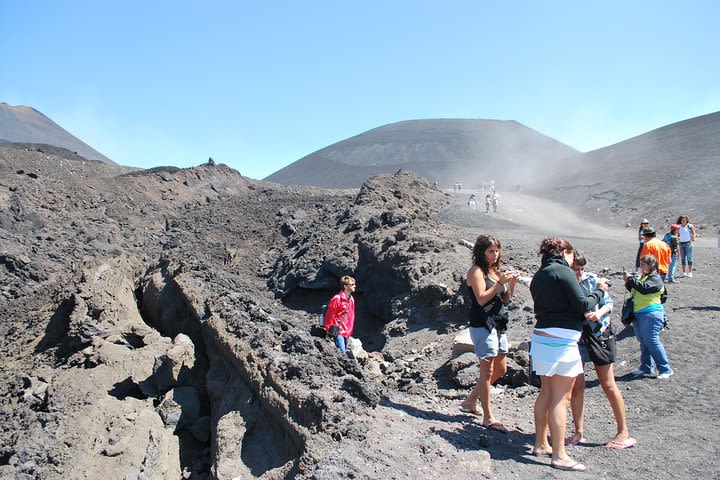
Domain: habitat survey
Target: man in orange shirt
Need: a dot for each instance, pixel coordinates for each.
(658, 249)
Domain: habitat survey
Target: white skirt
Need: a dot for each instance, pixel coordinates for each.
(555, 356)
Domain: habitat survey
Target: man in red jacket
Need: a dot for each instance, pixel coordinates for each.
(341, 313)
(658, 249)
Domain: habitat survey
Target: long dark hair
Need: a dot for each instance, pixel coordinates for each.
(478, 256)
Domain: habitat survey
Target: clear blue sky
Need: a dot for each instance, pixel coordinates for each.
(260, 84)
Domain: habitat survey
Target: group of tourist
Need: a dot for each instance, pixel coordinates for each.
(677, 243)
(572, 310)
(491, 199)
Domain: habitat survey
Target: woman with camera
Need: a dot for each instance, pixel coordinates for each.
(490, 291)
(646, 291)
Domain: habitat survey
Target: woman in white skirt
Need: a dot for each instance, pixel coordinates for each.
(560, 306)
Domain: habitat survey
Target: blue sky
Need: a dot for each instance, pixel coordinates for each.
(260, 84)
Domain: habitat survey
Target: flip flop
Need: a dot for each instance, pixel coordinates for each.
(575, 467)
(627, 443)
(467, 410)
(497, 426)
(540, 454)
(574, 441)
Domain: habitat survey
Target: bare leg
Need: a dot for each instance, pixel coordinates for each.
(470, 403)
(612, 392)
(542, 447)
(577, 406)
(560, 388)
(490, 370)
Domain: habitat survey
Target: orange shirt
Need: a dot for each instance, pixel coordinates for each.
(659, 250)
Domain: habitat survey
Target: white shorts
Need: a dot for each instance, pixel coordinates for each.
(555, 356)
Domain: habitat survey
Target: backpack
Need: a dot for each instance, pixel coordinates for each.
(666, 238)
(321, 315)
(318, 329)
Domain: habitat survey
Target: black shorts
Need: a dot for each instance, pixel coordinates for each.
(602, 351)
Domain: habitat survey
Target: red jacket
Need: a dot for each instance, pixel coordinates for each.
(336, 314)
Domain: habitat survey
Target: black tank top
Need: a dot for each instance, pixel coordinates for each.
(494, 314)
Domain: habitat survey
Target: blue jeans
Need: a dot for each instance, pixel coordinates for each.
(686, 249)
(671, 268)
(647, 326)
(341, 343)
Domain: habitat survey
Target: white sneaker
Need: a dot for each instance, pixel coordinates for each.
(665, 376)
(685, 274)
(689, 274)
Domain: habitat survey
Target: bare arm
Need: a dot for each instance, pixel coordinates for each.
(476, 280)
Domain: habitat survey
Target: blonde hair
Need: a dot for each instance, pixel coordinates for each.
(346, 280)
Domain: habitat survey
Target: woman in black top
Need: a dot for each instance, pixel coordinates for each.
(490, 291)
(560, 306)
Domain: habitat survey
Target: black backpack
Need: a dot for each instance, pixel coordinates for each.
(318, 328)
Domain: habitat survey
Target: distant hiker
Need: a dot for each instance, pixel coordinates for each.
(490, 292)
(560, 305)
(472, 203)
(340, 314)
(673, 241)
(597, 345)
(658, 249)
(646, 291)
(488, 200)
(455, 187)
(687, 237)
(495, 199)
(644, 223)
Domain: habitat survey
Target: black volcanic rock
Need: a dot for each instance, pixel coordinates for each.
(443, 151)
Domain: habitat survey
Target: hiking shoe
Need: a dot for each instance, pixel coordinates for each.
(638, 373)
(665, 376)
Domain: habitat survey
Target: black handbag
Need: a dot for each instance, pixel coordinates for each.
(627, 315)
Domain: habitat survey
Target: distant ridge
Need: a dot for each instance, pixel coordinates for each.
(27, 125)
(670, 170)
(442, 150)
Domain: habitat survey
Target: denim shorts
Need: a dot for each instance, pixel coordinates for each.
(488, 343)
